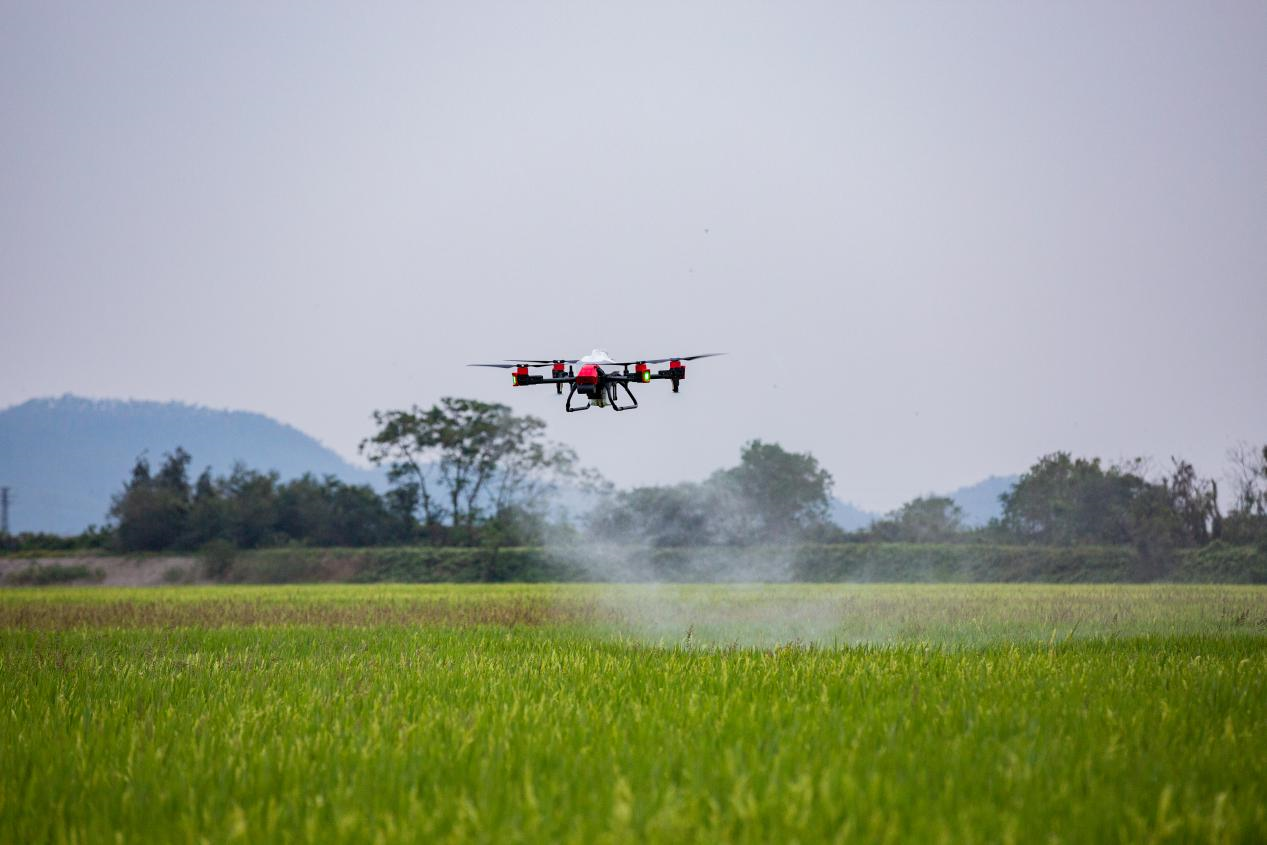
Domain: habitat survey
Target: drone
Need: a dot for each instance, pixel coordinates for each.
(597, 379)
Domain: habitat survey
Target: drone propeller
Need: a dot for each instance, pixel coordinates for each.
(662, 360)
(542, 362)
(519, 364)
(532, 362)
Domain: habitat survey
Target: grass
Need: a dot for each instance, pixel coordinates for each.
(574, 713)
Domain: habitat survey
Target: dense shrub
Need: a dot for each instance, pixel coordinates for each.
(54, 573)
(419, 564)
(839, 562)
(216, 558)
(1223, 563)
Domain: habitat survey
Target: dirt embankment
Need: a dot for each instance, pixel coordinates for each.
(112, 571)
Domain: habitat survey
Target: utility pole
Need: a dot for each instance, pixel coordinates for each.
(4, 511)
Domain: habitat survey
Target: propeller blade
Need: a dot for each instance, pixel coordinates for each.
(543, 361)
(519, 363)
(663, 360)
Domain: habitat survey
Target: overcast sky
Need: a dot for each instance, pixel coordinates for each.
(937, 240)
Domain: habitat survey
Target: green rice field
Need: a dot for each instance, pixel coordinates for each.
(578, 713)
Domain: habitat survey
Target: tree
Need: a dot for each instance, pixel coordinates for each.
(250, 507)
(679, 515)
(1249, 479)
(206, 513)
(328, 512)
(1246, 521)
(404, 442)
(929, 519)
(1063, 501)
(773, 495)
(1195, 503)
(152, 510)
(466, 460)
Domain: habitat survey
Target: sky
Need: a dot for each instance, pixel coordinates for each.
(937, 240)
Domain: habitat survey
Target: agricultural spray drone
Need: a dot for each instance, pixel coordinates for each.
(597, 379)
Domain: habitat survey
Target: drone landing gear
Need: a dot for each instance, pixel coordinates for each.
(567, 406)
(611, 396)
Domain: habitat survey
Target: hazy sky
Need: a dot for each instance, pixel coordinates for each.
(938, 240)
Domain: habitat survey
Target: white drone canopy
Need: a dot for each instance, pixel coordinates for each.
(598, 356)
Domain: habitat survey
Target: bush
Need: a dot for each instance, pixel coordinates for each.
(179, 575)
(217, 558)
(967, 562)
(1223, 563)
(43, 544)
(421, 564)
(836, 562)
(54, 573)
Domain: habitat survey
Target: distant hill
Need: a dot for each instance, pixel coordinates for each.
(849, 516)
(64, 458)
(980, 502)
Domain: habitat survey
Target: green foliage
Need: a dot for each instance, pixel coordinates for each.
(1247, 521)
(1066, 501)
(772, 496)
(1245, 529)
(479, 477)
(41, 544)
(41, 575)
(249, 509)
(331, 513)
(964, 562)
(776, 494)
(216, 558)
(931, 519)
(491, 467)
(1195, 504)
(1222, 562)
(179, 575)
(464, 460)
(533, 714)
(678, 515)
(152, 510)
(839, 562)
(1249, 469)
(1062, 501)
(417, 564)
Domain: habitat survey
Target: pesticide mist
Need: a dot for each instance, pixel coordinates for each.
(746, 597)
(714, 596)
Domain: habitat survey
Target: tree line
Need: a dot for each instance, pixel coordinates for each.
(469, 473)
(1063, 501)
(775, 496)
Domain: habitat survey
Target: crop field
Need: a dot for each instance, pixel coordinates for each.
(578, 713)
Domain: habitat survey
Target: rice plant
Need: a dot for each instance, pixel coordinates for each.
(582, 714)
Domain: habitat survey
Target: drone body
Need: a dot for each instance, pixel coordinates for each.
(599, 378)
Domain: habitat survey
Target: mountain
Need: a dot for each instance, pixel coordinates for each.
(64, 458)
(980, 502)
(849, 516)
